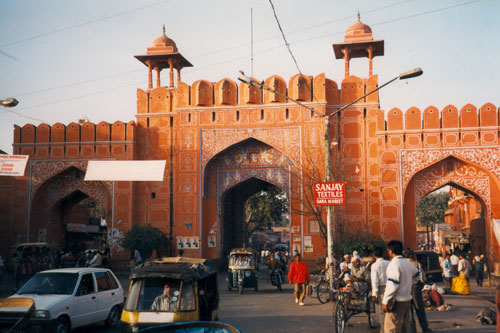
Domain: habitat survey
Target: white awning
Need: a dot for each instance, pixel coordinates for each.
(125, 170)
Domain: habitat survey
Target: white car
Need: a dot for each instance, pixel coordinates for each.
(68, 298)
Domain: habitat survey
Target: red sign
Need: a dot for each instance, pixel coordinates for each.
(329, 193)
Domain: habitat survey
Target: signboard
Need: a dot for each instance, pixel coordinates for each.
(442, 226)
(77, 227)
(125, 170)
(13, 165)
(329, 193)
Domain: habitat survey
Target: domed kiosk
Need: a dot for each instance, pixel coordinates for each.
(358, 43)
(163, 53)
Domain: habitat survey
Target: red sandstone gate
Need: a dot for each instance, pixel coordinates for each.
(207, 129)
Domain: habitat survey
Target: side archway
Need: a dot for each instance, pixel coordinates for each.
(462, 175)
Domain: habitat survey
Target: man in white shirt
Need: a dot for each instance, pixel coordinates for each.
(454, 262)
(379, 280)
(344, 265)
(464, 266)
(401, 274)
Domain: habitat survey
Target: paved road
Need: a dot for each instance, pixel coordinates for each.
(269, 310)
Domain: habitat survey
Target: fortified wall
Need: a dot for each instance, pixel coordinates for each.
(224, 141)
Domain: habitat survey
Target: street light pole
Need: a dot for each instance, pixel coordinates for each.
(328, 172)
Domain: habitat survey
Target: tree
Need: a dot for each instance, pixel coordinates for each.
(145, 239)
(264, 209)
(431, 210)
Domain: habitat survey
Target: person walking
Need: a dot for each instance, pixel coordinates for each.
(416, 293)
(401, 274)
(299, 275)
(447, 270)
(479, 268)
(379, 280)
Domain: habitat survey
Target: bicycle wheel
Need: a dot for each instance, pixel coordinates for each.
(370, 311)
(340, 317)
(323, 291)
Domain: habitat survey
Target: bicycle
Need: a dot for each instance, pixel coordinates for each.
(323, 287)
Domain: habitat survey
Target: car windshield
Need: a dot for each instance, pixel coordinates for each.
(152, 294)
(50, 283)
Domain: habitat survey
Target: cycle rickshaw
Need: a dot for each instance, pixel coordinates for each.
(350, 303)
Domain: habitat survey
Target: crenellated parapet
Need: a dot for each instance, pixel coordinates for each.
(76, 141)
(226, 93)
(451, 126)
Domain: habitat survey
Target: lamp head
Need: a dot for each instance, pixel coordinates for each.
(411, 73)
(9, 102)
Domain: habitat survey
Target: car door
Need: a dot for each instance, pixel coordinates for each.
(85, 302)
(105, 295)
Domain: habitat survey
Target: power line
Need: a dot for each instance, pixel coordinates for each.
(81, 24)
(284, 37)
(215, 64)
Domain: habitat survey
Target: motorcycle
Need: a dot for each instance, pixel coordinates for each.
(276, 277)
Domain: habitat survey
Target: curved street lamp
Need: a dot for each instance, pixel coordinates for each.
(329, 221)
(9, 102)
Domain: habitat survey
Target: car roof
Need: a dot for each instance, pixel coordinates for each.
(179, 268)
(76, 270)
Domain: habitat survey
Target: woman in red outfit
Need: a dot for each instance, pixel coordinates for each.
(299, 275)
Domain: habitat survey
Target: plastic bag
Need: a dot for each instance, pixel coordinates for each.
(460, 285)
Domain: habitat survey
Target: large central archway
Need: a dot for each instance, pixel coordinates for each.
(233, 213)
(230, 178)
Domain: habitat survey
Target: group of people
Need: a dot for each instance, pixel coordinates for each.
(396, 285)
(457, 271)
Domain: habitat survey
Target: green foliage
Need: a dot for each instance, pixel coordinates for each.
(96, 210)
(145, 239)
(431, 208)
(363, 242)
(264, 209)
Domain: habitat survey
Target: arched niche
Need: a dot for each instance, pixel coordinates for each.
(277, 83)
(226, 92)
(300, 87)
(202, 93)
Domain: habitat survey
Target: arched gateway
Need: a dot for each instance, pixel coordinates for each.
(223, 140)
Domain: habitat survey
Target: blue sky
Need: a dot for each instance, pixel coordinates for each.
(64, 60)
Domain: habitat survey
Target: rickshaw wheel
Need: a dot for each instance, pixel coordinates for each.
(240, 289)
(371, 314)
(339, 316)
(323, 292)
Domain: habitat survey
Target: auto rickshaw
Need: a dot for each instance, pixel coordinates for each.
(243, 271)
(430, 264)
(192, 295)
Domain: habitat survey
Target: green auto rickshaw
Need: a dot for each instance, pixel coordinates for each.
(243, 271)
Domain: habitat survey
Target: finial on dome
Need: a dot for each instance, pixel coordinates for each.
(164, 28)
(359, 17)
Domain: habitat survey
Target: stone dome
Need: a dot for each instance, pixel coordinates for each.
(358, 31)
(164, 42)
